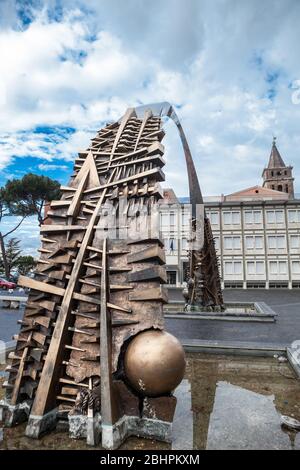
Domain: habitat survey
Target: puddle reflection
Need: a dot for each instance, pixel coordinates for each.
(236, 403)
(224, 402)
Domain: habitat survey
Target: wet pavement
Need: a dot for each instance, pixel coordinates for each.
(237, 402)
(223, 403)
(8, 322)
(254, 424)
(286, 303)
(9, 317)
(286, 329)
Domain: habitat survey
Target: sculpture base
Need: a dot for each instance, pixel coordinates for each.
(113, 436)
(83, 427)
(203, 308)
(39, 425)
(154, 423)
(11, 415)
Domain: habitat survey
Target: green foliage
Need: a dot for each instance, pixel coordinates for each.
(15, 261)
(24, 197)
(27, 195)
(25, 264)
(2, 203)
(12, 253)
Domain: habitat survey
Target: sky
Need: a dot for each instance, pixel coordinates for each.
(230, 67)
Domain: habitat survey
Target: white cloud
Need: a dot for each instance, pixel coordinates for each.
(47, 167)
(27, 233)
(228, 65)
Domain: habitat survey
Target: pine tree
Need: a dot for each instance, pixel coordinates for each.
(12, 251)
(25, 264)
(23, 198)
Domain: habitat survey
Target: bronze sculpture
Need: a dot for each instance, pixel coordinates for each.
(97, 294)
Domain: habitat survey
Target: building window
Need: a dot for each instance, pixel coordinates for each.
(255, 267)
(296, 267)
(233, 267)
(282, 267)
(217, 243)
(172, 219)
(275, 217)
(254, 242)
(232, 218)
(164, 220)
(170, 245)
(171, 277)
(295, 241)
(232, 243)
(279, 187)
(276, 242)
(168, 220)
(213, 217)
(185, 218)
(294, 216)
(253, 217)
(278, 267)
(184, 244)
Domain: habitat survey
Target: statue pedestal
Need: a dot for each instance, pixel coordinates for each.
(14, 414)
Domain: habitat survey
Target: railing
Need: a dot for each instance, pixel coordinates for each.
(12, 301)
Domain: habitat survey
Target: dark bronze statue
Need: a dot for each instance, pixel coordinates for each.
(92, 348)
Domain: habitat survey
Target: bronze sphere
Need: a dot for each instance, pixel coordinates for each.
(154, 363)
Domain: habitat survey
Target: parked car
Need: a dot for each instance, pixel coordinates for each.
(14, 276)
(4, 284)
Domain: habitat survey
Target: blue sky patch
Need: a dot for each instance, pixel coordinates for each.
(58, 169)
(271, 93)
(233, 74)
(272, 77)
(60, 130)
(25, 10)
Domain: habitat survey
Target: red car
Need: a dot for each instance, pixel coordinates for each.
(4, 284)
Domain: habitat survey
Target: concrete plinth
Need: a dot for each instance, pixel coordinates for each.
(93, 431)
(293, 355)
(78, 426)
(153, 429)
(39, 425)
(14, 414)
(85, 427)
(113, 436)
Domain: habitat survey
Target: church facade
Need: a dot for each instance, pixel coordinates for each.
(256, 231)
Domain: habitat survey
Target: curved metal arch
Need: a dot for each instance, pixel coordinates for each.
(165, 109)
(204, 285)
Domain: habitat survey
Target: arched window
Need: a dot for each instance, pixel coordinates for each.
(279, 187)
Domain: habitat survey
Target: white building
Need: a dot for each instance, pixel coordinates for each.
(256, 230)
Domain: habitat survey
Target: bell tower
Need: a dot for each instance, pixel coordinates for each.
(277, 175)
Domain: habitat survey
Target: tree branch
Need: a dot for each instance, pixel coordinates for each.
(17, 226)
